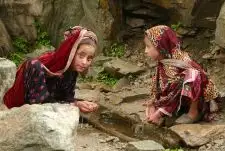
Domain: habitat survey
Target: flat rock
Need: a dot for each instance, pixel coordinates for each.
(45, 127)
(195, 135)
(135, 22)
(121, 68)
(123, 82)
(87, 95)
(146, 145)
(128, 95)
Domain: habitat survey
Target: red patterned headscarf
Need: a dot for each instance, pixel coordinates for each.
(55, 63)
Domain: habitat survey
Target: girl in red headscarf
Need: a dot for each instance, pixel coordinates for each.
(179, 82)
(52, 76)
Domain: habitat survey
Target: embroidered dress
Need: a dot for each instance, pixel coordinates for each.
(178, 77)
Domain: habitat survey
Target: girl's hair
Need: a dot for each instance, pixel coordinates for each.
(88, 41)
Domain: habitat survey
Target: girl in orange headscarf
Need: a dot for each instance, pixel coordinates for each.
(52, 76)
(178, 82)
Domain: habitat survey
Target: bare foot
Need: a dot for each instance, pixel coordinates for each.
(193, 114)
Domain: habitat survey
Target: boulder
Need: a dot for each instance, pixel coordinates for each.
(195, 135)
(127, 95)
(179, 10)
(19, 17)
(5, 41)
(39, 127)
(135, 22)
(7, 76)
(192, 12)
(220, 31)
(87, 95)
(120, 68)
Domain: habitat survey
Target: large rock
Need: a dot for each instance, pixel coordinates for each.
(127, 95)
(146, 145)
(94, 15)
(19, 17)
(57, 19)
(88, 95)
(120, 68)
(5, 41)
(98, 18)
(180, 10)
(204, 16)
(220, 30)
(7, 76)
(135, 22)
(39, 127)
(192, 12)
(195, 135)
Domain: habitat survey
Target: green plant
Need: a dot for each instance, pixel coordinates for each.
(21, 45)
(107, 78)
(86, 79)
(42, 35)
(16, 57)
(175, 27)
(116, 50)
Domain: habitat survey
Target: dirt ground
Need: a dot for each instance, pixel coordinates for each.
(91, 139)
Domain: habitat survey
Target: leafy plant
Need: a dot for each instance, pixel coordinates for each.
(42, 35)
(17, 57)
(86, 79)
(116, 50)
(21, 45)
(175, 27)
(107, 78)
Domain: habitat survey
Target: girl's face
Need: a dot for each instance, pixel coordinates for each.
(83, 58)
(151, 50)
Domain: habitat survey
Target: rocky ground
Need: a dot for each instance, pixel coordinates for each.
(126, 98)
(121, 113)
(91, 139)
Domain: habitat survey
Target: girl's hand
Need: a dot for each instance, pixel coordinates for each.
(148, 102)
(86, 106)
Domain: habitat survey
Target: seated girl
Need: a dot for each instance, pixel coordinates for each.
(52, 76)
(178, 82)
